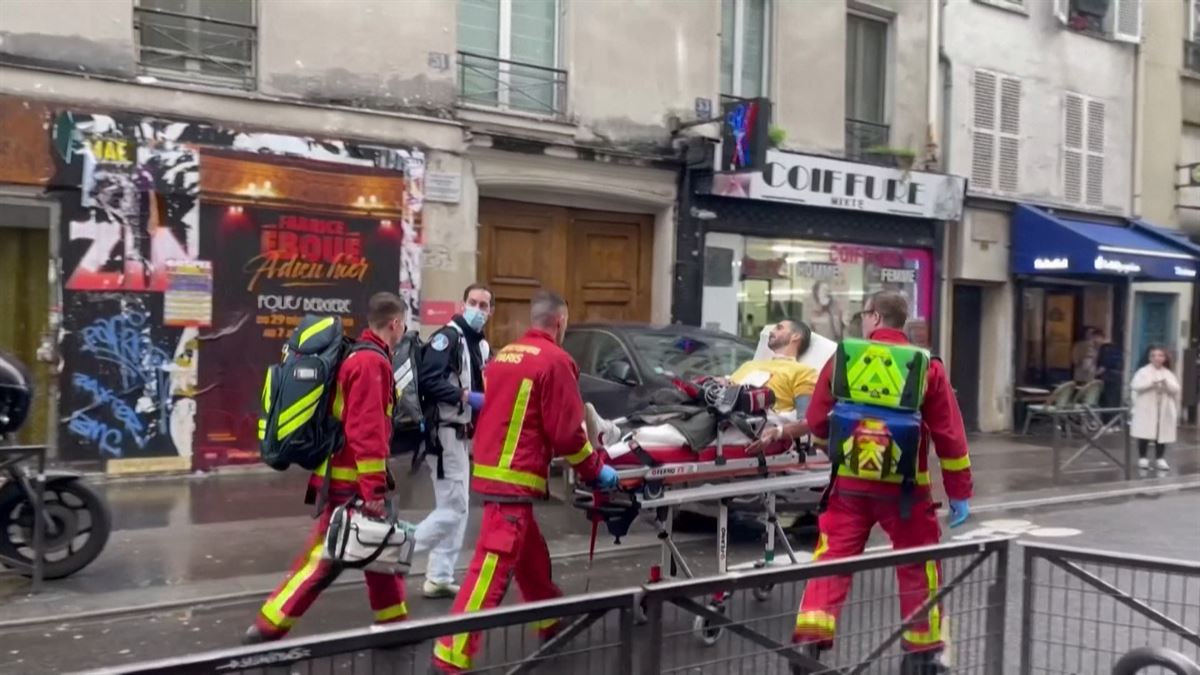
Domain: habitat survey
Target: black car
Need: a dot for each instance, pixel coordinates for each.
(622, 365)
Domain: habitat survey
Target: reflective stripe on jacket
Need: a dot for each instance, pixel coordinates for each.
(533, 414)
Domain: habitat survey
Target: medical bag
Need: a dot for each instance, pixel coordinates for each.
(359, 540)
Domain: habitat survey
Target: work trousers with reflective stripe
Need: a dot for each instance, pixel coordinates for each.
(310, 574)
(510, 545)
(844, 529)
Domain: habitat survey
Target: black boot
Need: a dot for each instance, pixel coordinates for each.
(923, 663)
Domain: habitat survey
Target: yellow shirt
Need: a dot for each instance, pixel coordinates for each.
(787, 378)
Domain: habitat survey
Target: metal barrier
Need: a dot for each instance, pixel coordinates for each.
(1095, 426)
(1143, 657)
(1083, 609)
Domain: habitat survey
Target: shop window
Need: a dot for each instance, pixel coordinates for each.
(745, 47)
(508, 53)
(996, 133)
(1083, 150)
(866, 85)
(825, 285)
(1191, 45)
(1115, 19)
(205, 41)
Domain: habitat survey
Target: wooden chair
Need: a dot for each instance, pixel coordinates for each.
(1059, 400)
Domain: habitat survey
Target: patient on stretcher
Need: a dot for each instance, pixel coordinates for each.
(683, 424)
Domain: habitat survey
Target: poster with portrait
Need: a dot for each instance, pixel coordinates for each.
(276, 266)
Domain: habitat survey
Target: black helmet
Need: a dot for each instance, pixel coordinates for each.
(16, 393)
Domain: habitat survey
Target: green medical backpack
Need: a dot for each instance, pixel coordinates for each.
(880, 374)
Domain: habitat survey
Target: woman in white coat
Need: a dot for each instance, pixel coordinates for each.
(1155, 413)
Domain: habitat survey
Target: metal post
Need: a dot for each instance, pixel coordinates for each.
(653, 630)
(625, 660)
(1054, 450)
(1129, 470)
(1026, 636)
(39, 524)
(997, 615)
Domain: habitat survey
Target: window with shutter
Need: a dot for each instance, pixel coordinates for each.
(1127, 20)
(983, 142)
(1008, 167)
(1095, 152)
(1115, 19)
(1073, 113)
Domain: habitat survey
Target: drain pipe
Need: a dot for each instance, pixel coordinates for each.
(932, 103)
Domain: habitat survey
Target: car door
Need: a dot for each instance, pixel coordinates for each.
(607, 372)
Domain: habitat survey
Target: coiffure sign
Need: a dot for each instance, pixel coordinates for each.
(834, 183)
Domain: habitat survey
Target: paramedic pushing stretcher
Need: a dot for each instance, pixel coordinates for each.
(856, 503)
(533, 414)
(363, 403)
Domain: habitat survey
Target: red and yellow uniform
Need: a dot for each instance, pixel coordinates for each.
(533, 414)
(363, 402)
(857, 503)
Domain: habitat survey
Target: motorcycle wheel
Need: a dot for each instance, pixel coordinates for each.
(76, 534)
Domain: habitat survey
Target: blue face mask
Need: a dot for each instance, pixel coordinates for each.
(475, 317)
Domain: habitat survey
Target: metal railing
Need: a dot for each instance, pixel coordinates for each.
(511, 85)
(205, 49)
(862, 136)
(1099, 430)
(1083, 610)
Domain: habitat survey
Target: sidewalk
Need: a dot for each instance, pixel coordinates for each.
(182, 539)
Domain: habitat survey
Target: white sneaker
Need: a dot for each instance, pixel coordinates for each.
(1143, 463)
(435, 590)
(599, 430)
(1161, 465)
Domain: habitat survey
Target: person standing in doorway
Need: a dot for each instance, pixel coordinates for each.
(1155, 413)
(451, 378)
(1086, 354)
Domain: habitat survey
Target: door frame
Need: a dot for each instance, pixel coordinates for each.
(974, 363)
(18, 195)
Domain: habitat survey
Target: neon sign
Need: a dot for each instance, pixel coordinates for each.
(1051, 264)
(1108, 265)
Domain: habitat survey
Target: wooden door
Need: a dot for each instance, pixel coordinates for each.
(609, 267)
(522, 248)
(599, 261)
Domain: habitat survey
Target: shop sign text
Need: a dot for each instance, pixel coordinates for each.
(1051, 264)
(1185, 272)
(1109, 265)
(820, 181)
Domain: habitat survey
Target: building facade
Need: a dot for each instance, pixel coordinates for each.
(1044, 113)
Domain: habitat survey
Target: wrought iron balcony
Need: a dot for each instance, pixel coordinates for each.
(511, 85)
(862, 136)
(181, 46)
(1191, 56)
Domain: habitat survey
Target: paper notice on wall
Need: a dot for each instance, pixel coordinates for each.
(188, 298)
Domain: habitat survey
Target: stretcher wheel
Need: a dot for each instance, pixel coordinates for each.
(763, 593)
(705, 631)
(652, 489)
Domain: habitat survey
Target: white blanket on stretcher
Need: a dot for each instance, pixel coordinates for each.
(667, 436)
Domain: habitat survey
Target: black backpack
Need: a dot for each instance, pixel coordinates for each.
(297, 425)
(408, 415)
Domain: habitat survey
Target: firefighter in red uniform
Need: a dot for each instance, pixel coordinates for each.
(533, 413)
(856, 504)
(363, 402)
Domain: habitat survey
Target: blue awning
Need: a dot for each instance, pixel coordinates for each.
(1047, 244)
(1171, 236)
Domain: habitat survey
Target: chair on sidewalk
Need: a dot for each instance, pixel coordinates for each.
(1059, 400)
(1086, 400)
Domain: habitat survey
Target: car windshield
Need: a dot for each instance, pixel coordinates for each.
(687, 356)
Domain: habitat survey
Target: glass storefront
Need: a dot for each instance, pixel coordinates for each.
(753, 282)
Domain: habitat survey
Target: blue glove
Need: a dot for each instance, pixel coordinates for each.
(475, 399)
(607, 480)
(960, 510)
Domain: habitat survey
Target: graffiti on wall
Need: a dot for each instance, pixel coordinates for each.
(130, 383)
(129, 391)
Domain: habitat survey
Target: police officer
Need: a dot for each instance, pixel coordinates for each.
(451, 380)
(534, 414)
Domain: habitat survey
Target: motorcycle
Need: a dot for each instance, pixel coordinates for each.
(76, 521)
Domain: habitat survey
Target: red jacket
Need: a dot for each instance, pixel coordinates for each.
(533, 414)
(363, 402)
(941, 422)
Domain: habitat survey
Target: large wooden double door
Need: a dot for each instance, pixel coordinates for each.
(599, 261)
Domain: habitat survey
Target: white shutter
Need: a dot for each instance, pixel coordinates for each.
(983, 138)
(1073, 147)
(1008, 167)
(1061, 8)
(1095, 153)
(1126, 20)
(1193, 17)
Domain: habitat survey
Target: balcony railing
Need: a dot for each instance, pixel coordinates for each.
(511, 85)
(175, 45)
(862, 136)
(1191, 56)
